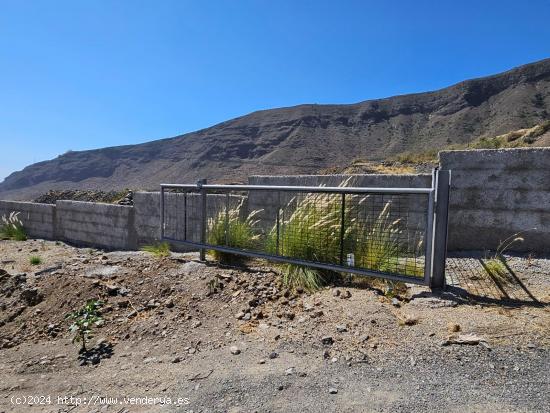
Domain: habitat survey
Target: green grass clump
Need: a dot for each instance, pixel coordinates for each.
(380, 249)
(12, 228)
(311, 233)
(159, 250)
(230, 230)
(35, 260)
(496, 268)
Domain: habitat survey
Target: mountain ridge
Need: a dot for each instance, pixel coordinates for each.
(304, 138)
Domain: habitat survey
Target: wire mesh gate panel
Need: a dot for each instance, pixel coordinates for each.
(382, 232)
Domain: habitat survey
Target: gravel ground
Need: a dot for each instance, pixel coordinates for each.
(251, 346)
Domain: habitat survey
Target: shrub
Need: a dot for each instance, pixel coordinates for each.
(11, 227)
(159, 250)
(230, 230)
(35, 260)
(84, 320)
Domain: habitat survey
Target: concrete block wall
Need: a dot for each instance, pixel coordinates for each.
(496, 193)
(96, 224)
(38, 219)
(178, 225)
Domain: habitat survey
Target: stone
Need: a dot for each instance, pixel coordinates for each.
(395, 302)
(341, 328)
(235, 350)
(345, 294)
(333, 390)
(191, 267)
(31, 296)
(408, 320)
(327, 340)
(453, 327)
(176, 360)
(273, 355)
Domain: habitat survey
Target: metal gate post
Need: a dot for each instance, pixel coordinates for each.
(162, 224)
(442, 191)
(200, 183)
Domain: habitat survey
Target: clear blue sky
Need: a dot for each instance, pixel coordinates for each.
(87, 74)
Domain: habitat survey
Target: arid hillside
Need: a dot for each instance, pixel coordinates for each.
(305, 138)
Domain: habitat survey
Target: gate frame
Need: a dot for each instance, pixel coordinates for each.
(435, 238)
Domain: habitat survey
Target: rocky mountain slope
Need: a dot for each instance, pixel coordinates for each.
(305, 138)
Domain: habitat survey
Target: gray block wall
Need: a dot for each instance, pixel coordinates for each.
(96, 224)
(38, 219)
(178, 224)
(496, 193)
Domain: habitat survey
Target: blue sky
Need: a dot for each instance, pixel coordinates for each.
(86, 74)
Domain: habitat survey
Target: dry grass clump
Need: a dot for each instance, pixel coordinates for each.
(12, 228)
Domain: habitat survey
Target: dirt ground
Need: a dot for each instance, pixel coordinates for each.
(181, 336)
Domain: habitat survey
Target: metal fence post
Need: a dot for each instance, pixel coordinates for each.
(342, 228)
(278, 219)
(442, 192)
(162, 224)
(200, 183)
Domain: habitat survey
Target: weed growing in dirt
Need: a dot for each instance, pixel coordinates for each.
(495, 265)
(35, 260)
(84, 320)
(214, 285)
(159, 250)
(230, 230)
(12, 228)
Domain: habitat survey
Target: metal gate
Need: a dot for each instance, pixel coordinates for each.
(392, 233)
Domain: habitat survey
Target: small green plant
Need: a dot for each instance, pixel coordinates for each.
(12, 228)
(214, 285)
(495, 265)
(230, 230)
(159, 250)
(83, 321)
(35, 260)
(496, 268)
